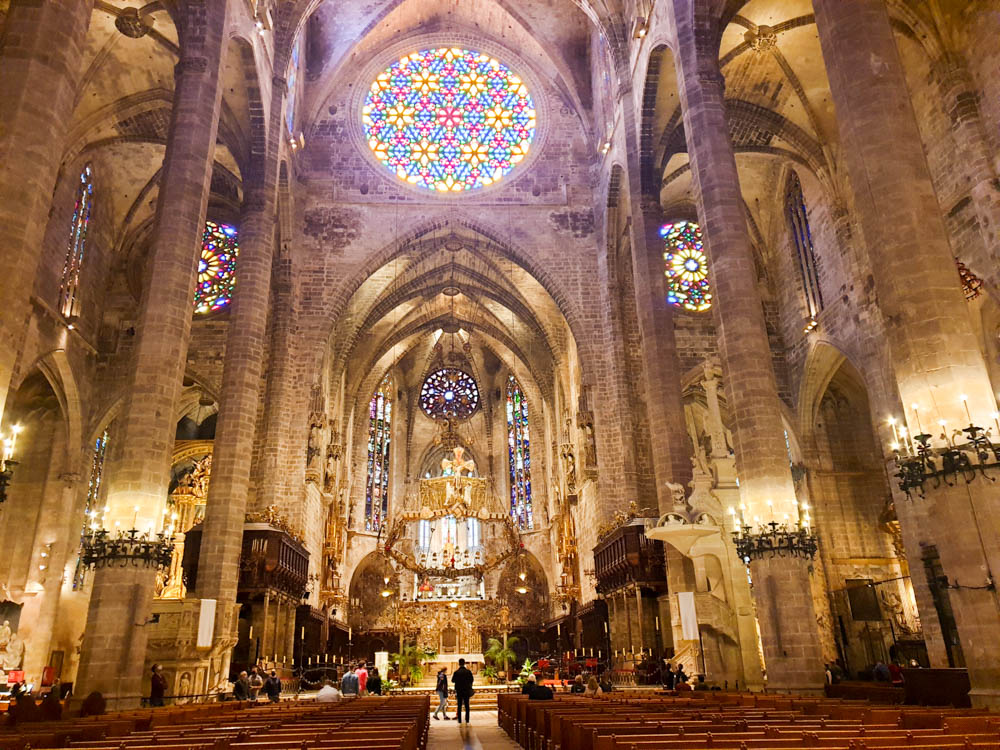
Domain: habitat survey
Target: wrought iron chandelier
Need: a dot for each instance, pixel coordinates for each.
(774, 540)
(131, 547)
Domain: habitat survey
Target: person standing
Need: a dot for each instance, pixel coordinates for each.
(241, 688)
(442, 693)
(272, 687)
(158, 686)
(349, 685)
(462, 680)
(256, 683)
(362, 674)
(374, 686)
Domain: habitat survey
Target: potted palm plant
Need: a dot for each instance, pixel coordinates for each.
(500, 654)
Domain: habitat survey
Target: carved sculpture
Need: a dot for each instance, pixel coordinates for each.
(11, 648)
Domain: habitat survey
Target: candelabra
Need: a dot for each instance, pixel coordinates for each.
(774, 540)
(7, 462)
(922, 462)
(125, 548)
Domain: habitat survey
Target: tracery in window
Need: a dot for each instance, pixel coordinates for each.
(519, 455)
(798, 223)
(449, 393)
(69, 287)
(472, 532)
(686, 266)
(93, 516)
(379, 435)
(449, 119)
(216, 267)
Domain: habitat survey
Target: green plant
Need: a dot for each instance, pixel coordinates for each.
(411, 661)
(499, 655)
(528, 668)
(489, 674)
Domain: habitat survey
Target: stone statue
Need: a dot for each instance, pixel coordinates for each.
(5, 634)
(677, 494)
(13, 655)
(315, 441)
(332, 457)
(569, 465)
(458, 465)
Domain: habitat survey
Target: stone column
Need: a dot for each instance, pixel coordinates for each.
(41, 61)
(793, 657)
(661, 367)
(222, 539)
(961, 102)
(114, 643)
(934, 352)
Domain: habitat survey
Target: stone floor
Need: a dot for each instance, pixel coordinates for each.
(482, 734)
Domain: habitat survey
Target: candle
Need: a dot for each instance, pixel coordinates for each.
(895, 432)
(944, 431)
(657, 622)
(916, 416)
(558, 629)
(996, 421)
(349, 631)
(310, 661)
(302, 632)
(250, 636)
(605, 628)
(965, 403)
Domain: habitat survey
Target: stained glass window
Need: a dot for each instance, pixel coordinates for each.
(70, 286)
(687, 266)
(449, 393)
(379, 435)
(293, 77)
(449, 119)
(216, 268)
(798, 223)
(519, 455)
(93, 517)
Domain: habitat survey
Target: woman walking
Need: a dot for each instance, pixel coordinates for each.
(442, 692)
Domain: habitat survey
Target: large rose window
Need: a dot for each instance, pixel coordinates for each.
(449, 393)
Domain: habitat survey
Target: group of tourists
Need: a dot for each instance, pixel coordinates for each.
(248, 687)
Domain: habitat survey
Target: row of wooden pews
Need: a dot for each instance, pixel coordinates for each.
(374, 723)
(738, 721)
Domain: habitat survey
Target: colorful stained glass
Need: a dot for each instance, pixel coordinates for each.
(449, 393)
(798, 224)
(70, 286)
(93, 516)
(216, 268)
(293, 78)
(449, 119)
(379, 436)
(519, 455)
(687, 266)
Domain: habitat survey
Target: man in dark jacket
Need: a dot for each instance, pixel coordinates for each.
(462, 680)
(241, 688)
(272, 687)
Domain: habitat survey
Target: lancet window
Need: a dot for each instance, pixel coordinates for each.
(805, 253)
(293, 79)
(69, 289)
(519, 455)
(93, 517)
(379, 435)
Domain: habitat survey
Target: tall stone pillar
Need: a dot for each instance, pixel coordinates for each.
(222, 539)
(935, 357)
(41, 61)
(114, 641)
(787, 620)
(961, 102)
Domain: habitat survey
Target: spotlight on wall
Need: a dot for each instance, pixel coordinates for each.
(639, 28)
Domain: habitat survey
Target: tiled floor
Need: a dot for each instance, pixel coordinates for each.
(482, 734)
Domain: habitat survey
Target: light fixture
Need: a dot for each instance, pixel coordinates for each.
(453, 604)
(522, 589)
(7, 462)
(100, 549)
(639, 28)
(522, 575)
